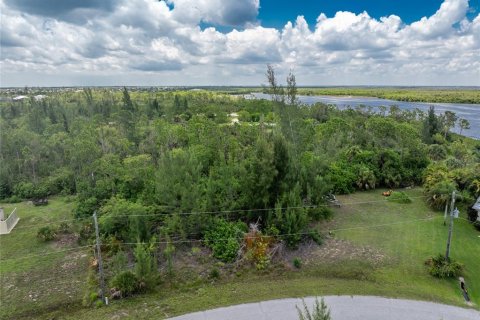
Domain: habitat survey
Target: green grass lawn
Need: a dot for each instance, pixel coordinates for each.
(410, 243)
(35, 275)
(405, 235)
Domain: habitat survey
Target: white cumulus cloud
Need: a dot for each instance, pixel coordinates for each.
(165, 43)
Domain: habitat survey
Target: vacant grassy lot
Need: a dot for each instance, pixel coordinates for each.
(36, 276)
(411, 240)
(376, 248)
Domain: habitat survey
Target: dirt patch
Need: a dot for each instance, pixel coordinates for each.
(65, 240)
(336, 250)
(192, 262)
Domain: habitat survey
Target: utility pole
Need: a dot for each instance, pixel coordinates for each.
(99, 257)
(450, 228)
(445, 215)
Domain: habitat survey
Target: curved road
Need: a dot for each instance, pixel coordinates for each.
(341, 308)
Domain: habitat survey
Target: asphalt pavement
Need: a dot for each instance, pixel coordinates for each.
(341, 308)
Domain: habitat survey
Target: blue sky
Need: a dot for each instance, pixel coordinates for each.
(230, 42)
(275, 13)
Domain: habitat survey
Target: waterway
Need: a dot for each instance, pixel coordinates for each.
(471, 112)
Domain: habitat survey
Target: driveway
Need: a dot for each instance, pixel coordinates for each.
(342, 308)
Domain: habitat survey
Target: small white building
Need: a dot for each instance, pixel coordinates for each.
(19, 98)
(476, 206)
(39, 97)
(6, 225)
(234, 118)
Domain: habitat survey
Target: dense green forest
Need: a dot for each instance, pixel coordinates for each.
(159, 166)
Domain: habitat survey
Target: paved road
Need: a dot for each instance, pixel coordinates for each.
(342, 308)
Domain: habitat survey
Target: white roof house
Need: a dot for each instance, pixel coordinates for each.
(39, 97)
(18, 98)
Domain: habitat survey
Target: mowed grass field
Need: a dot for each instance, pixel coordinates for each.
(408, 234)
(35, 276)
(375, 247)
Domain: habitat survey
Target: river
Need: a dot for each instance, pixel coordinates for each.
(471, 112)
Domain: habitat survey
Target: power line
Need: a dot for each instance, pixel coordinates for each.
(228, 239)
(385, 224)
(46, 223)
(45, 253)
(212, 212)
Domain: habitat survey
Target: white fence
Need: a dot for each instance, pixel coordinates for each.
(8, 224)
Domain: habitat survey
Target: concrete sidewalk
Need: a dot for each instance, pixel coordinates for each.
(342, 308)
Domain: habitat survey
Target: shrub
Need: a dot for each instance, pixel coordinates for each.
(442, 268)
(86, 207)
(111, 245)
(320, 311)
(64, 228)
(476, 224)
(12, 199)
(5, 191)
(126, 282)
(315, 236)
(114, 220)
(145, 267)
(86, 232)
(319, 213)
(297, 263)
(214, 274)
(61, 181)
(399, 197)
(289, 218)
(46, 234)
(119, 262)
(24, 190)
(90, 298)
(472, 214)
(224, 239)
(257, 247)
(437, 152)
(168, 253)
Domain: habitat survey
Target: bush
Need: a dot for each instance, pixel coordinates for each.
(224, 239)
(86, 232)
(86, 207)
(12, 199)
(476, 224)
(319, 213)
(315, 236)
(214, 274)
(126, 282)
(114, 220)
(168, 253)
(297, 263)
(24, 190)
(119, 262)
(145, 267)
(441, 268)
(472, 214)
(437, 152)
(64, 228)
(257, 247)
(61, 181)
(5, 191)
(46, 234)
(399, 197)
(320, 311)
(90, 298)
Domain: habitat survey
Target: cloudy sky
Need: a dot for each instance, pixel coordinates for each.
(229, 42)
